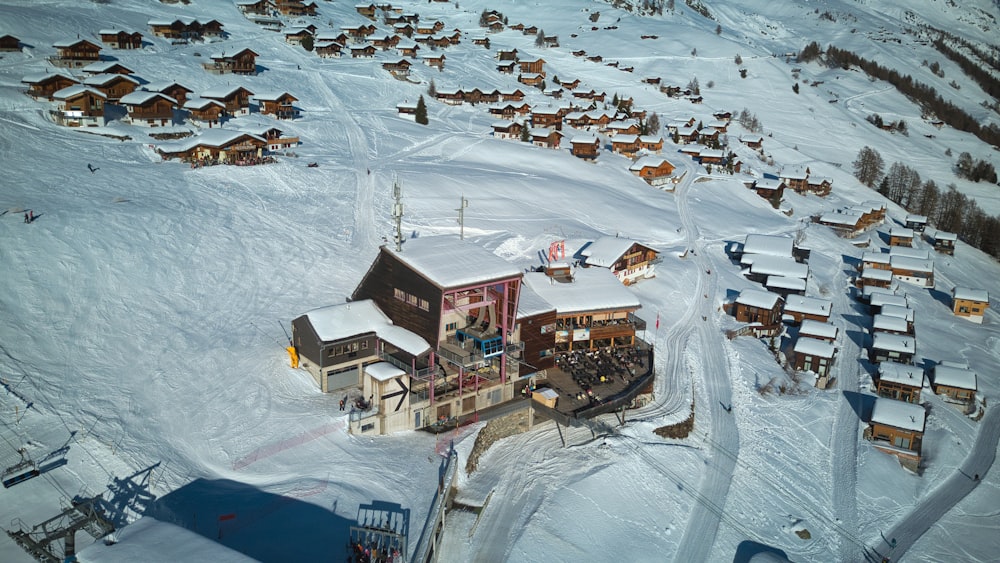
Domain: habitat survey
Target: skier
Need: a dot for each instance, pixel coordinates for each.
(31, 216)
(26, 218)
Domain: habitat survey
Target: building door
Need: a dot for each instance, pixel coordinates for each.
(416, 419)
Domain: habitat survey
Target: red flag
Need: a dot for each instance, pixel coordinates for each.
(657, 321)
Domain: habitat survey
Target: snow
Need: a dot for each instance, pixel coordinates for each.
(876, 274)
(899, 414)
(758, 298)
(889, 323)
(781, 282)
(882, 298)
(889, 309)
(967, 293)
(144, 309)
(592, 289)
(383, 371)
(810, 327)
(767, 265)
(808, 305)
(815, 347)
(448, 261)
(912, 264)
(605, 251)
(894, 342)
(336, 322)
(875, 258)
(952, 376)
(769, 245)
(896, 372)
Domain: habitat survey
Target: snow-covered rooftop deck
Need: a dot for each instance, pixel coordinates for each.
(899, 414)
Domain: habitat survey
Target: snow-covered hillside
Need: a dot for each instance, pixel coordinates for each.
(143, 311)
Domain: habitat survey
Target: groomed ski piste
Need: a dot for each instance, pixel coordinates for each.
(143, 310)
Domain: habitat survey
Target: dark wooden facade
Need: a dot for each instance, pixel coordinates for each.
(10, 43)
(387, 274)
(243, 62)
(281, 107)
(45, 86)
(119, 39)
(538, 335)
(76, 53)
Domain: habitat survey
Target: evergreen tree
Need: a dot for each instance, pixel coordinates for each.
(525, 134)
(540, 38)
(307, 42)
(432, 89)
(421, 115)
(795, 87)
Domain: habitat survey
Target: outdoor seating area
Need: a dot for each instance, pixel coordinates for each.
(586, 378)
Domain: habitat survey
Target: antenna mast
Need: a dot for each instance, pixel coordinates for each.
(461, 217)
(397, 213)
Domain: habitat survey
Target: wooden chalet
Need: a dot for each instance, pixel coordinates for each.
(296, 35)
(911, 266)
(452, 97)
(204, 112)
(759, 307)
(955, 381)
(254, 7)
(545, 138)
(279, 104)
(752, 141)
(915, 222)
(367, 10)
(114, 86)
(785, 286)
(385, 41)
(75, 53)
(275, 138)
(532, 66)
(406, 108)
(295, 8)
(529, 30)
(970, 304)
(106, 67)
(629, 260)
(175, 90)
(892, 347)
(811, 354)
(891, 324)
(149, 109)
(329, 50)
(847, 223)
(651, 143)
(898, 381)
(43, 86)
(821, 331)
(121, 39)
(897, 428)
(507, 130)
(900, 236)
(243, 61)
(184, 29)
(404, 29)
(655, 170)
(875, 260)
(531, 79)
(626, 145)
(585, 147)
(506, 67)
(407, 49)
(819, 185)
(768, 189)
(461, 299)
(942, 241)
(435, 60)
(795, 177)
(799, 307)
(711, 156)
(546, 117)
(9, 43)
(400, 68)
(79, 106)
(235, 98)
(358, 33)
(218, 146)
(593, 309)
(514, 95)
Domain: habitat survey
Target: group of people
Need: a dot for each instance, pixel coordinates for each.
(29, 216)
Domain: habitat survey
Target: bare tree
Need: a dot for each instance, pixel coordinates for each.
(868, 166)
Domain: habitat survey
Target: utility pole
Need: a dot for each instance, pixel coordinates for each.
(397, 214)
(461, 217)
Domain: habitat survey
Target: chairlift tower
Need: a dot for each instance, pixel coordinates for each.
(461, 217)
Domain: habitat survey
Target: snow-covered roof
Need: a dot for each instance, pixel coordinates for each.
(113, 31)
(953, 376)
(840, 218)
(814, 347)
(778, 266)
(912, 264)
(162, 86)
(909, 252)
(875, 257)
(652, 160)
(876, 274)
(970, 294)
(768, 184)
(758, 298)
(103, 79)
(220, 92)
(942, 235)
(781, 282)
(209, 138)
(344, 320)
(605, 251)
(627, 139)
(894, 342)
(914, 218)
(99, 67)
(808, 305)
(274, 96)
(794, 173)
(750, 138)
(529, 303)
(38, 77)
(71, 42)
(711, 153)
(771, 245)
(449, 262)
(889, 323)
(901, 232)
(140, 97)
(899, 414)
(886, 297)
(904, 374)
(202, 103)
(900, 312)
(812, 327)
(592, 289)
(75, 90)
(383, 371)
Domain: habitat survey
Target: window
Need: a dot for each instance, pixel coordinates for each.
(449, 327)
(901, 442)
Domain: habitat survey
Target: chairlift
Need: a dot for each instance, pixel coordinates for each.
(20, 471)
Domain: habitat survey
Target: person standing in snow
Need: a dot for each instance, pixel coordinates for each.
(26, 218)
